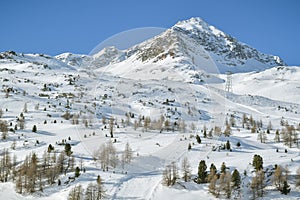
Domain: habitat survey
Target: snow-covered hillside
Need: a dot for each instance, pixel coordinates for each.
(128, 115)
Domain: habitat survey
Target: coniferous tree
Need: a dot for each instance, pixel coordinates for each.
(261, 182)
(223, 168)
(210, 133)
(19, 183)
(34, 129)
(244, 120)
(252, 122)
(225, 184)
(258, 184)
(227, 130)
(236, 179)
(189, 146)
(298, 177)
(100, 188)
(5, 165)
(257, 162)
(236, 184)
(127, 153)
(204, 131)
(60, 163)
(25, 109)
(68, 148)
(167, 124)
(228, 147)
(278, 177)
(75, 119)
(147, 122)
(217, 130)
(198, 139)
(202, 174)
(135, 125)
(167, 176)
(4, 129)
(212, 179)
(111, 127)
(77, 172)
(71, 163)
(289, 135)
(286, 188)
(212, 168)
(174, 173)
(31, 173)
(182, 126)
(186, 169)
(277, 136)
(253, 129)
(50, 148)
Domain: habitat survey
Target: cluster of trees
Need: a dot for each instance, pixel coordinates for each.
(94, 191)
(288, 134)
(221, 183)
(258, 181)
(171, 175)
(76, 118)
(7, 166)
(108, 157)
(280, 179)
(34, 173)
(161, 124)
(4, 129)
(224, 183)
(250, 123)
(5, 126)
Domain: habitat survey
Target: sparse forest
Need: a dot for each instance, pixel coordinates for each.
(84, 136)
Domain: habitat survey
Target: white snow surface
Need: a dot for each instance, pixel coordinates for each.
(139, 81)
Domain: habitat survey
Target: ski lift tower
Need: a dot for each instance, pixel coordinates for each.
(228, 85)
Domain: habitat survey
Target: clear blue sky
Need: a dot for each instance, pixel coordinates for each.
(57, 26)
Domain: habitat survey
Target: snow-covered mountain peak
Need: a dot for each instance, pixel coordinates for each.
(108, 55)
(227, 52)
(191, 44)
(111, 50)
(196, 23)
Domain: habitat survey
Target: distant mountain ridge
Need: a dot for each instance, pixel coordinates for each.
(195, 42)
(190, 45)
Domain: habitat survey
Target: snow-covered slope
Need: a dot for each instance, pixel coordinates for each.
(270, 83)
(41, 61)
(172, 80)
(75, 60)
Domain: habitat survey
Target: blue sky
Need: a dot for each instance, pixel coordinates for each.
(57, 26)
